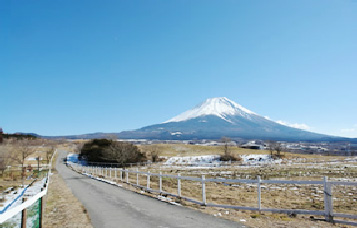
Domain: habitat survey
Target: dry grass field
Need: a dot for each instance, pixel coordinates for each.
(293, 196)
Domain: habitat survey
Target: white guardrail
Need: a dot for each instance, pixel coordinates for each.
(122, 175)
(14, 211)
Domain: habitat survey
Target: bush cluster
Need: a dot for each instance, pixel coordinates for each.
(104, 150)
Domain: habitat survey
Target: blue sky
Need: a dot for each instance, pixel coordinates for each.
(71, 67)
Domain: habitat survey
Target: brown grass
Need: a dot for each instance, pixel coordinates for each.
(62, 208)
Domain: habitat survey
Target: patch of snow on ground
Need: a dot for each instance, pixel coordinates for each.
(256, 158)
(193, 160)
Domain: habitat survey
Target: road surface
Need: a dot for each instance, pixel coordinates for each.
(114, 207)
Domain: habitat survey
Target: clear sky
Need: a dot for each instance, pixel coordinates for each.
(72, 67)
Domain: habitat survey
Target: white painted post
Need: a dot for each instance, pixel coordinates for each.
(106, 172)
(160, 182)
(121, 175)
(203, 190)
(115, 173)
(110, 173)
(137, 176)
(127, 176)
(259, 194)
(328, 200)
(148, 181)
(179, 185)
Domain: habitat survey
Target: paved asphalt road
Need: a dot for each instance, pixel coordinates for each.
(113, 207)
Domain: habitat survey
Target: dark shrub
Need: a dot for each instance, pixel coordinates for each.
(104, 150)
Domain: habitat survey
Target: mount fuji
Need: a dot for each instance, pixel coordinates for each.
(218, 117)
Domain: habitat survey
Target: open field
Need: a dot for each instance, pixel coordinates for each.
(169, 150)
(287, 196)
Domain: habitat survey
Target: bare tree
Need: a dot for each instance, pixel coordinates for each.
(226, 146)
(22, 150)
(154, 153)
(4, 158)
(278, 148)
(49, 153)
(271, 146)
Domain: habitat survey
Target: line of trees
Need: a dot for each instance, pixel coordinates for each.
(15, 151)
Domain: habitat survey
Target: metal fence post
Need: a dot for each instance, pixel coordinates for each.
(137, 176)
(160, 182)
(328, 200)
(115, 173)
(148, 181)
(23, 215)
(259, 194)
(110, 172)
(121, 175)
(203, 190)
(179, 185)
(127, 176)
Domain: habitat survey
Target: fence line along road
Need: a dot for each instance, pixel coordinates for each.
(122, 175)
(29, 202)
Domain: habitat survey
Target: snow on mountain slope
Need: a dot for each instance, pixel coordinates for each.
(220, 106)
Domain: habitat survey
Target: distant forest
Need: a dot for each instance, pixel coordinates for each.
(18, 136)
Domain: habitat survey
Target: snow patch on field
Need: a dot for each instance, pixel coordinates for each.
(194, 160)
(215, 159)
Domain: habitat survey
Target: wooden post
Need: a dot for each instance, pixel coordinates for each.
(328, 200)
(179, 185)
(259, 195)
(160, 182)
(137, 176)
(203, 190)
(148, 181)
(24, 215)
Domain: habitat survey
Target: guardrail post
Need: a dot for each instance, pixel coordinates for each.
(179, 185)
(24, 215)
(110, 173)
(203, 190)
(137, 176)
(148, 181)
(115, 173)
(160, 182)
(259, 194)
(328, 200)
(121, 175)
(106, 172)
(127, 176)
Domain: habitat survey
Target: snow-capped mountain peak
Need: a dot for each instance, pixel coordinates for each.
(219, 106)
